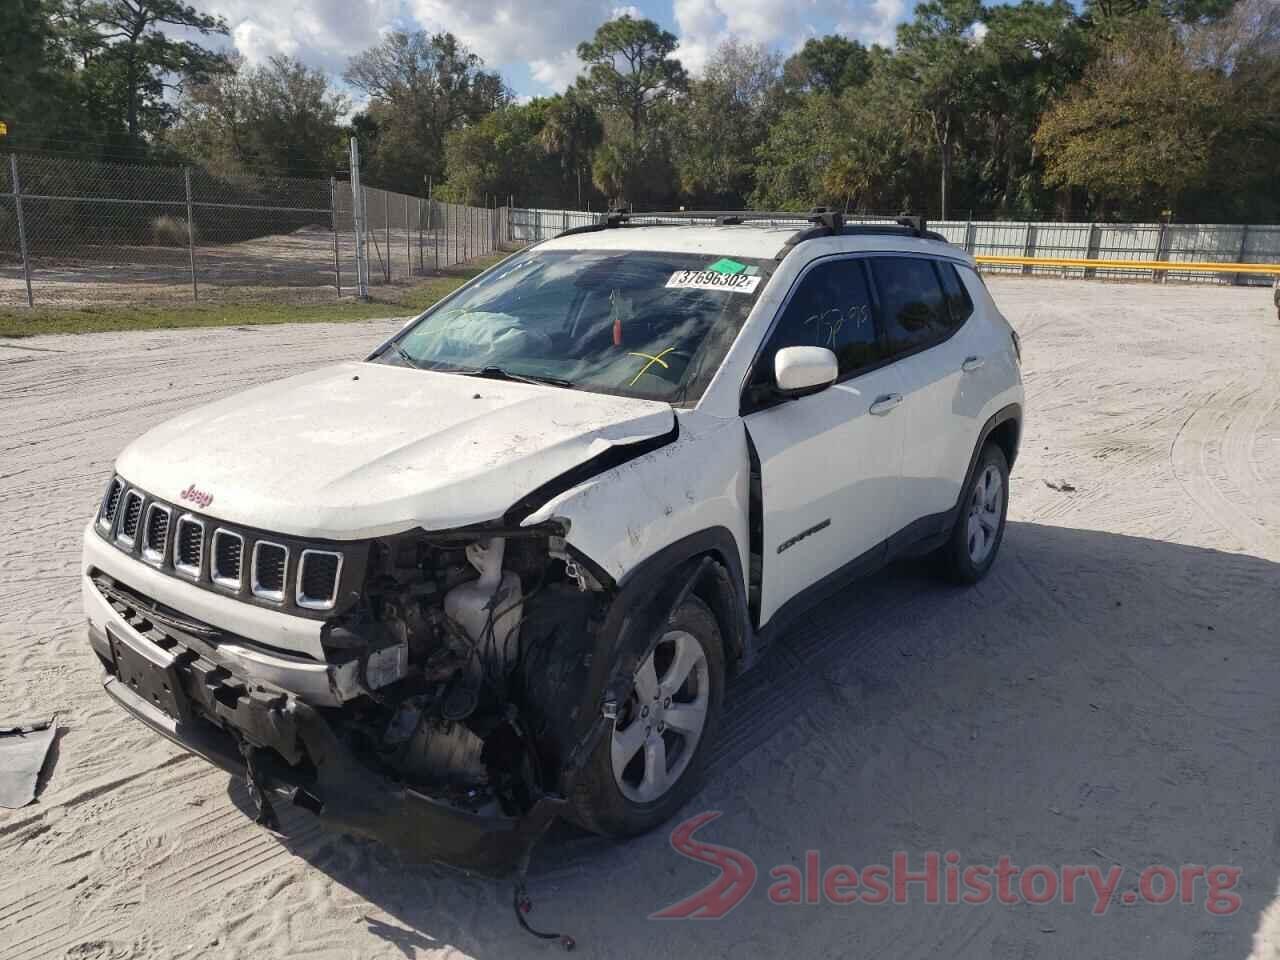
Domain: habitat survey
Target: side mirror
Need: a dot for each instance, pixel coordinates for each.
(800, 371)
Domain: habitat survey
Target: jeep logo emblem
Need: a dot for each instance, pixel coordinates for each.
(198, 497)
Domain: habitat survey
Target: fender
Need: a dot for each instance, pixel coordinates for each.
(928, 533)
(720, 544)
(1013, 412)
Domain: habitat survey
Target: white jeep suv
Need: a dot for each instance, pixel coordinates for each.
(499, 571)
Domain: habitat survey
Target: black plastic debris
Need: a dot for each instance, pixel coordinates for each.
(24, 746)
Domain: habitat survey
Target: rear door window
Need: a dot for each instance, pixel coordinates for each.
(913, 306)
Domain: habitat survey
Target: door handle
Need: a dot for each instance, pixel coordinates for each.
(884, 404)
(972, 363)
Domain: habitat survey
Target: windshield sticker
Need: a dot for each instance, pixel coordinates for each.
(727, 266)
(708, 280)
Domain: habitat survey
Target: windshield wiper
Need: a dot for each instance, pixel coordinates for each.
(497, 373)
(403, 354)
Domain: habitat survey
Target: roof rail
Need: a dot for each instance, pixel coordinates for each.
(728, 217)
(612, 220)
(916, 223)
(830, 223)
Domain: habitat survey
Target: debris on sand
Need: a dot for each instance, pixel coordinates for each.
(24, 747)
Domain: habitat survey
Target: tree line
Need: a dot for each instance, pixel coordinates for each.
(1124, 109)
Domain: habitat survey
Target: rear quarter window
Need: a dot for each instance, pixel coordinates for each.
(958, 301)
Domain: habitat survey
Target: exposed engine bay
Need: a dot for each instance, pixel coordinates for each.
(466, 650)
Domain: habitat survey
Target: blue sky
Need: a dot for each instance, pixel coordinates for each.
(532, 45)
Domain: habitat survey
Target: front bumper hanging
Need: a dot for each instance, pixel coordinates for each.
(328, 780)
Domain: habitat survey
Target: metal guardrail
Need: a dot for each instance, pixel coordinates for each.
(1160, 266)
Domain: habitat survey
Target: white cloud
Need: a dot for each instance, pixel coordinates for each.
(322, 33)
(630, 10)
(503, 31)
(877, 24)
(782, 24)
(556, 72)
(979, 32)
(325, 33)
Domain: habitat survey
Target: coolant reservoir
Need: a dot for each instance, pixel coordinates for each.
(470, 604)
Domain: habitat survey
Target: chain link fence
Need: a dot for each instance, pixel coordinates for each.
(81, 232)
(1171, 242)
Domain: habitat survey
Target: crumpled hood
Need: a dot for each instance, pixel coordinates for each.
(365, 449)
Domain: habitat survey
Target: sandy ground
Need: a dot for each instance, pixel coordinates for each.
(1107, 696)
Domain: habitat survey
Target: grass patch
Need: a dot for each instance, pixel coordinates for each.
(390, 302)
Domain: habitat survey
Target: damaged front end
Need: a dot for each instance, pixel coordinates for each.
(460, 693)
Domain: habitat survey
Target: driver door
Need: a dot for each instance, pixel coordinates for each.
(830, 462)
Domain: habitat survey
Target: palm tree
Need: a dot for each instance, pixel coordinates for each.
(572, 131)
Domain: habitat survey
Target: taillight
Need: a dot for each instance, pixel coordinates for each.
(1017, 345)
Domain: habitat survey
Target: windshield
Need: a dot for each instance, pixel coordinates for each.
(635, 323)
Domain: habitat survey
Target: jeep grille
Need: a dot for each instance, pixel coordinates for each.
(305, 578)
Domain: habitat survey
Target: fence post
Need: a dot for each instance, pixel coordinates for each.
(386, 229)
(359, 223)
(970, 237)
(408, 241)
(1091, 251)
(333, 223)
(1244, 252)
(431, 217)
(191, 235)
(22, 227)
(1029, 247)
(1162, 252)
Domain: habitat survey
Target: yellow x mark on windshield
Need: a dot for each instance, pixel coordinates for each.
(652, 360)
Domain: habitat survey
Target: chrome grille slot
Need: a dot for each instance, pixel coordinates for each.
(155, 536)
(270, 561)
(110, 502)
(188, 546)
(128, 531)
(318, 573)
(227, 560)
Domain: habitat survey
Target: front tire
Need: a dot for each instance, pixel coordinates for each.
(984, 506)
(652, 759)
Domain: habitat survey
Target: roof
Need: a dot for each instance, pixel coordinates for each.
(751, 240)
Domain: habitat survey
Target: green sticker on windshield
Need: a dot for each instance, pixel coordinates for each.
(727, 266)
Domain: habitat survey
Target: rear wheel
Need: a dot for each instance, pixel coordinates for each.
(969, 553)
(652, 758)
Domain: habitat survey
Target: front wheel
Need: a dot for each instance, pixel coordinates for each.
(975, 540)
(651, 760)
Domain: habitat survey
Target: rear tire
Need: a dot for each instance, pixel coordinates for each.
(640, 774)
(984, 506)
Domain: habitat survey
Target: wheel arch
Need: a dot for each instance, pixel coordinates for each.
(1003, 428)
(719, 584)
(705, 564)
(1006, 434)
